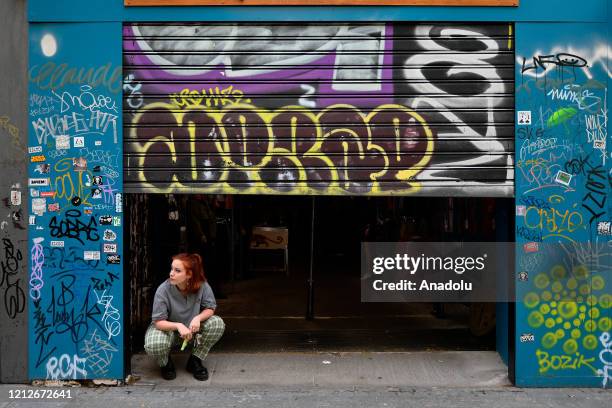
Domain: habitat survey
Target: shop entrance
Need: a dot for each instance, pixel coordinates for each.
(274, 300)
(379, 122)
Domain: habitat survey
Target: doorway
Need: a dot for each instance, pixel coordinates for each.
(269, 309)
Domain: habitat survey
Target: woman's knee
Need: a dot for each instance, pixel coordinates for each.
(215, 323)
(156, 341)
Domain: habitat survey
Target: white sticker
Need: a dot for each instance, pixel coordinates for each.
(91, 255)
(524, 117)
(34, 192)
(116, 221)
(32, 220)
(39, 206)
(15, 197)
(604, 228)
(57, 244)
(98, 143)
(109, 235)
(118, 203)
(563, 178)
(79, 141)
(34, 149)
(62, 142)
(521, 210)
(38, 182)
(110, 248)
(599, 144)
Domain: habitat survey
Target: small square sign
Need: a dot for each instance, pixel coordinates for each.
(524, 117)
(15, 197)
(62, 142)
(563, 178)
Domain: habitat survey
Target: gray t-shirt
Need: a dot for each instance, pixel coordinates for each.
(170, 304)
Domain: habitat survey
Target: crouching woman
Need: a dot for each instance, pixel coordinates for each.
(183, 309)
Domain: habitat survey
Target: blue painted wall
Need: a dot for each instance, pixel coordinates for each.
(75, 178)
(563, 209)
(113, 10)
(60, 343)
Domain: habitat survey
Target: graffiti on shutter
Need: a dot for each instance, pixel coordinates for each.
(337, 109)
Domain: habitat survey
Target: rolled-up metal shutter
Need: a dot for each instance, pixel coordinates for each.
(360, 109)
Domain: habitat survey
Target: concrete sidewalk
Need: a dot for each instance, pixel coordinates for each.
(345, 369)
(305, 397)
(457, 379)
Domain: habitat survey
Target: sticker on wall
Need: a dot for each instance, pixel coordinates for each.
(34, 149)
(118, 203)
(109, 235)
(32, 220)
(524, 117)
(88, 210)
(76, 201)
(531, 247)
(113, 259)
(604, 228)
(91, 255)
(34, 192)
(78, 141)
(98, 143)
(79, 164)
(116, 221)
(96, 193)
(97, 180)
(54, 207)
(110, 248)
(57, 244)
(599, 144)
(62, 142)
(15, 197)
(50, 194)
(527, 338)
(39, 206)
(43, 168)
(38, 182)
(523, 276)
(521, 210)
(563, 178)
(96, 169)
(38, 158)
(105, 220)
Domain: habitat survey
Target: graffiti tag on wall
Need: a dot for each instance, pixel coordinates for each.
(563, 186)
(75, 197)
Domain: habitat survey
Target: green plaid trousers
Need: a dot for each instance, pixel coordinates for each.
(158, 343)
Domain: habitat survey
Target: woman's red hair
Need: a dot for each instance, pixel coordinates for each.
(193, 264)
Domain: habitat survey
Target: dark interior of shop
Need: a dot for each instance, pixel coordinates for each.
(257, 256)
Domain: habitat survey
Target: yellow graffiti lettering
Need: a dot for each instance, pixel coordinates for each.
(235, 147)
(557, 222)
(13, 131)
(211, 97)
(65, 186)
(547, 362)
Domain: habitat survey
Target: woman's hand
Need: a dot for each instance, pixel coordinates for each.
(194, 326)
(184, 332)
